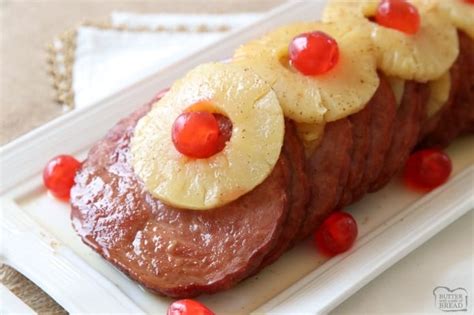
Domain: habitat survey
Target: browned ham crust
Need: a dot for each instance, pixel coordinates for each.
(406, 129)
(299, 193)
(326, 167)
(382, 109)
(361, 144)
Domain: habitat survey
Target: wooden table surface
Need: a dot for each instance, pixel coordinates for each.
(26, 93)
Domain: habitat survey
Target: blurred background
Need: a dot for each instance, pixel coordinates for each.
(35, 89)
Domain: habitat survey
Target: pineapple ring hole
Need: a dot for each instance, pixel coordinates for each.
(371, 18)
(225, 129)
(369, 11)
(285, 62)
(224, 122)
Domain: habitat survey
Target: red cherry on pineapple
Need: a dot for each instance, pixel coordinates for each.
(313, 53)
(469, 1)
(427, 169)
(337, 233)
(399, 15)
(196, 134)
(58, 175)
(188, 307)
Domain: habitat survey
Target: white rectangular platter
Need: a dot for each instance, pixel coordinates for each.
(37, 238)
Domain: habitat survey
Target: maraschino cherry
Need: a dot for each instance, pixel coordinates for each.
(58, 175)
(337, 233)
(313, 53)
(196, 134)
(427, 169)
(399, 15)
(188, 307)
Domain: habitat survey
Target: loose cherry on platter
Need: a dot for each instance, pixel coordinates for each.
(399, 15)
(427, 169)
(336, 234)
(196, 134)
(313, 53)
(58, 175)
(188, 307)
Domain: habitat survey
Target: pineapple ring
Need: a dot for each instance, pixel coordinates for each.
(398, 88)
(439, 94)
(342, 91)
(458, 12)
(249, 155)
(311, 135)
(424, 56)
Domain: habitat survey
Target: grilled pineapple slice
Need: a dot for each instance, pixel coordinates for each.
(247, 159)
(343, 90)
(439, 93)
(424, 56)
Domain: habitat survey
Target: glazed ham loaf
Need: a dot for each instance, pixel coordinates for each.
(171, 251)
(182, 252)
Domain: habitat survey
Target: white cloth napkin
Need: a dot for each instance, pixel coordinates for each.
(108, 60)
(192, 22)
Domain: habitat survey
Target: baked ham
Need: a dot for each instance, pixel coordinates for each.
(171, 251)
(457, 115)
(183, 253)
